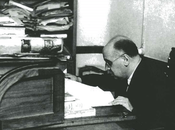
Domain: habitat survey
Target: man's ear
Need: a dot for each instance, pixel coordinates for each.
(126, 59)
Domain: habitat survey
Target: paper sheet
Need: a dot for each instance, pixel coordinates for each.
(89, 95)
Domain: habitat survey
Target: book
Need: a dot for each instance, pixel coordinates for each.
(81, 99)
(75, 105)
(54, 35)
(10, 21)
(12, 31)
(75, 108)
(89, 95)
(80, 113)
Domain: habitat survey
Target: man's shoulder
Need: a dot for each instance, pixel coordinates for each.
(153, 65)
(151, 70)
(153, 62)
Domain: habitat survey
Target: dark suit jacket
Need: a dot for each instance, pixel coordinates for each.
(147, 92)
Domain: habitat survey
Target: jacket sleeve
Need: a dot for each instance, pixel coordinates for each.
(105, 82)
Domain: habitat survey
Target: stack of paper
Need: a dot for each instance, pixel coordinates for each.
(81, 98)
(93, 96)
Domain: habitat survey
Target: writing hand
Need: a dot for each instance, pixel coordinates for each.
(120, 100)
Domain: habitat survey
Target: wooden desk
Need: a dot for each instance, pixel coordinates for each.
(93, 123)
(31, 96)
(42, 108)
(107, 118)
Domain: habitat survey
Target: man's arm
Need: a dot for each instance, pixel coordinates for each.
(104, 81)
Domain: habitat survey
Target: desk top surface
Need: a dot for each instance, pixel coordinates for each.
(106, 114)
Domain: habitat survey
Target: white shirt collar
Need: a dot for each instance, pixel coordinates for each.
(130, 77)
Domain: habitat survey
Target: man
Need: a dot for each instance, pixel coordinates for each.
(140, 83)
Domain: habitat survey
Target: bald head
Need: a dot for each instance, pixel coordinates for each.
(121, 56)
(121, 44)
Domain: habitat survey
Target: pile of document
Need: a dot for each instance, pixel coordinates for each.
(80, 99)
(30, 29)
(47, 15)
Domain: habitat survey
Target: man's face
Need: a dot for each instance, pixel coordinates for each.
(114, 63)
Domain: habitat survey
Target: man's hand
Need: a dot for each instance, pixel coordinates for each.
(120, 100)
(72, 77)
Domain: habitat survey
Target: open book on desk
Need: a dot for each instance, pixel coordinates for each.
(82, 100)
(90, 96)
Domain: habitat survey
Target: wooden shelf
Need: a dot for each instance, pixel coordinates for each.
(69, 42)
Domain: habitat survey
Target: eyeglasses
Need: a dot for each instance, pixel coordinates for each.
(109, 63)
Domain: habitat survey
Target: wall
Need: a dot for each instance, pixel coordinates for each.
(159, 28)
(150, 24)
(92, 29)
